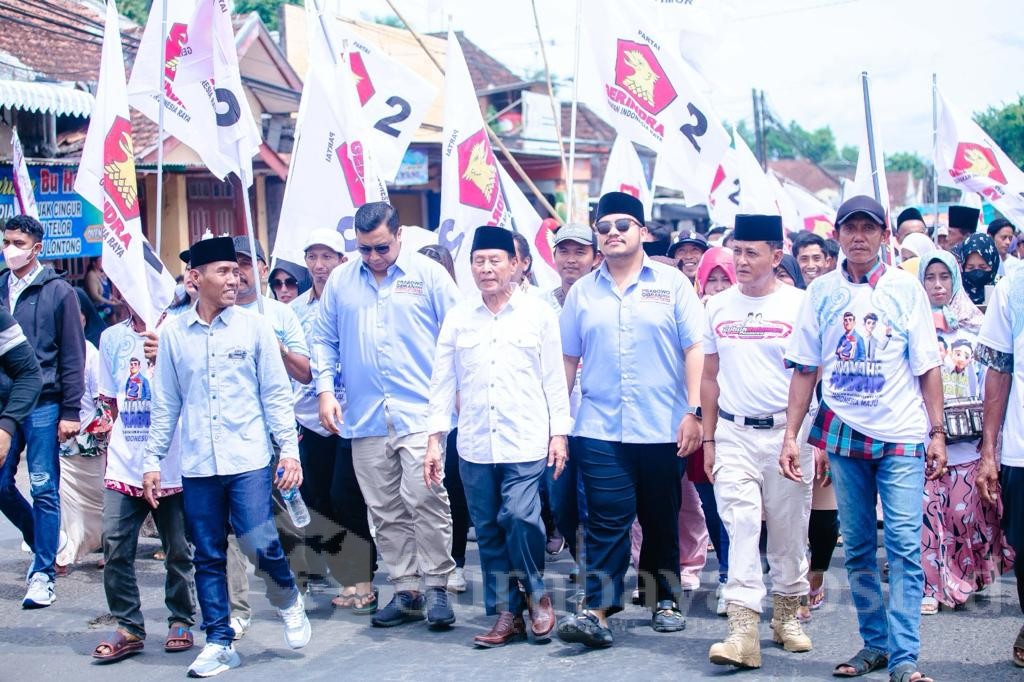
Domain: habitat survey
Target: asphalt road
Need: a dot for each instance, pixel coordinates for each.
(54, 643)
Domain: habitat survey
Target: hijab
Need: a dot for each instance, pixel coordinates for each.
(960, 312)
(918, 244)
(975, 281)
(715, 257)
(792, 269)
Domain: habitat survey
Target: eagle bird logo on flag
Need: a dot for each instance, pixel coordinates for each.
(177, 36)
(119, 168)
(351, 158)
(364, 86)
(478, 172)
(637, 70)
(972, 160)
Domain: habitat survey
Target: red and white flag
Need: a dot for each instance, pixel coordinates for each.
(395, 99)
(739, 186)
(624, 172)
(815, 215)
(475, 189)
(209, 58)
(106, 179)
(333, 170)
(24, 197)
(969, 160)
(634, 77)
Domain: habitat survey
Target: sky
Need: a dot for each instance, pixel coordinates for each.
(807, 55)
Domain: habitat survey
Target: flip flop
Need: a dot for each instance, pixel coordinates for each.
(344, 601)
(369, 604)
(179, 638)
(1018, 649)
(863, 662)
(118, 647)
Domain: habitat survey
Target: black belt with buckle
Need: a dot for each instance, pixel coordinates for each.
(752, 422)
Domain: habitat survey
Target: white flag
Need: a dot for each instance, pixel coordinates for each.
(624, 172)
(333, 170)
(210, 59)
(697, 26)
(24, 197)
(815, 215)
(969, 160)
(863, 180)
(106, 179)
(784, 203)
(739, 186)
(634, 78)
(475, 190)
(395, 99)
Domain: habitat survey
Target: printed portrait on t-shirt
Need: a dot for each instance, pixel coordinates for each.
(959, 371)
(857, 373)
(136, 387)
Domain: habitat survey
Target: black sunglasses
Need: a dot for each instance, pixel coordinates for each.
(622, 225)
(379, 248)
(279, 283)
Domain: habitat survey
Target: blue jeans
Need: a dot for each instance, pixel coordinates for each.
(504, 503)
(244, 502)
(716, 529)
(894, 628)
(39, 523)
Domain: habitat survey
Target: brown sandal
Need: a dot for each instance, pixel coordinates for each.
(118, 646)
(1018, 649)
(179, 638)
(345, 601)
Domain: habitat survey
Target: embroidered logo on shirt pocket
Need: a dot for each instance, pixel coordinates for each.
(409, 286)
(649, 295)
(237, 354)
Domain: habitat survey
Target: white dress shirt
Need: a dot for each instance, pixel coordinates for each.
(507, 368)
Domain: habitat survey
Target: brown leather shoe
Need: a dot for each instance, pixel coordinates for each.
(507, 628)
(542, 617)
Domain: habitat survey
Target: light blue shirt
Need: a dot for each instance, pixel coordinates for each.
(631, 344)
(227, 382)
(383, 336)
(285, 323)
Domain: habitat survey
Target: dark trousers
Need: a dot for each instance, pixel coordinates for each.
(243, 501)
(623, 482)
(716, 529)
(123, 516)
(568, 503)
(504, 502)
(1011, 480)
(457, 499)
(339, 530)
(823, 534)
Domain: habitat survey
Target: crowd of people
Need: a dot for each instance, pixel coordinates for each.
(760, 390)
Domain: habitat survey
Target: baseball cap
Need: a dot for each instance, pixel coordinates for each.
(860, 204)
(575, 232)
(688, 237)
(242, 247)
(323, 236)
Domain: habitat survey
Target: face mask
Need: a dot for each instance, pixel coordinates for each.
(975, 279)
(17, 258)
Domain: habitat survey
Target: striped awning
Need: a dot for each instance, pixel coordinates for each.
(50, 98)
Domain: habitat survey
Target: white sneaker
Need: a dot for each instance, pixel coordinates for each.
(297, 631)
(40, 592)
(213, 660)
(240, 626)
(722, 608)
(457, 580)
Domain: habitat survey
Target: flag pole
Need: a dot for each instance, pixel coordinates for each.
(252, 243)
(555, 108)
(490, 132)
(571, 176)
(935, 150)
(160, 128)
(871, 139)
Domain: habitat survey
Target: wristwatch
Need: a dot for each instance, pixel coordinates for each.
(695, 411)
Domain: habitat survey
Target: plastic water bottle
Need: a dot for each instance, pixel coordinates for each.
(295, 505)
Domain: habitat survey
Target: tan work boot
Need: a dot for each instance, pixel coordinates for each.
(742, 647)
(786, 628)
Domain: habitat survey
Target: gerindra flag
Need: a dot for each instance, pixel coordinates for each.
(24, 197)
(475, 190)
(333, 170)
(635, 79)
(969, 160)
(210, 59)
(739, 186)
(624, 172)
(106, 179)
(815, 215)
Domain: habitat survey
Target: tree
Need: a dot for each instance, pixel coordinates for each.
(849, 153)
(907, 161)
(138, 10)
(389, 20)
(1005, 125)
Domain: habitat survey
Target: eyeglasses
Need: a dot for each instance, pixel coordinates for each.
(290, 282)
(379, 248)
(622, 225)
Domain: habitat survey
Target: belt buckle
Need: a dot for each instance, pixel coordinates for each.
(761, 422)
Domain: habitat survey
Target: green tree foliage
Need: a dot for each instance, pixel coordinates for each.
(138, 10)
(907, 161)
(794, 142)
(1005, 125)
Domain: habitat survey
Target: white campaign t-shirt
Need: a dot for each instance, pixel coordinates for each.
(1003, 330)
(872, 344)
(750, 336)
(126, 375)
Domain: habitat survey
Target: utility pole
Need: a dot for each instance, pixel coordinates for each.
(764, 134)
(758, 129)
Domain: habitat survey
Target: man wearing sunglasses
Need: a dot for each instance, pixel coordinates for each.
(637, 325)
(379, 319)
